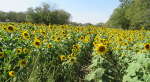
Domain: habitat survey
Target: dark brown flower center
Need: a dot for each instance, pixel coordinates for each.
(101, 48)
(43, 33)
(37, 43)
(10, 28)
(23, 62)
(25, 34)
(147, 46)
(18, 51)
(12, 73)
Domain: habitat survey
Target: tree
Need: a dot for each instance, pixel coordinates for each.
(11, 16)
(138, 14)
(132, 14)
(2, 16)
(118, 19)
(59, 17)
(46, 15)
(39, 14)
(21, 17)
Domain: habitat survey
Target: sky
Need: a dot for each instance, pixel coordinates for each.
(82, 11)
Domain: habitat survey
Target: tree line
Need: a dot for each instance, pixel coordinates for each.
(131, 14)
(43, 14)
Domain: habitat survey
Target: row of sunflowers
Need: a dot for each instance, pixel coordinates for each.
(63, 53)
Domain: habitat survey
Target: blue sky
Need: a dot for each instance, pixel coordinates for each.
(83, 11)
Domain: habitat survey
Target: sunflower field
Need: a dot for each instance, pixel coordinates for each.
(63, 53)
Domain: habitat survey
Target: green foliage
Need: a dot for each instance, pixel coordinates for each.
(118, 19)
(138, 13)
(2, 16)
(43, 14)
(59, 17)
(132, 14)
(138, 70)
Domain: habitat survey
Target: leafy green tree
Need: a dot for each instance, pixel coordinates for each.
(2, 16)
(132, 14)
(118, 19)
(46, 15)
(43, 14)
(139, 14)
(59, 17)
(21, 17)
(11, 16)
(14, 16)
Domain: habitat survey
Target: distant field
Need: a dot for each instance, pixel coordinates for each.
(40, 53)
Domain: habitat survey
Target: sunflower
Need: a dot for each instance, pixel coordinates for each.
(63, 32)
(19, 50)
(147, 46)
(76, 46)
(25, 35)
(43, 32)
(49, 46)
(71, 55)
(23, 63)
(1, 54)
(100, 48)
(57, 39)
(72, 59)
(4, 28)
(25, 50)
(81, 38)
(37, 38)
(11, 73)
(86, 39)
(62, 57)
(37, 43)
(10, 29)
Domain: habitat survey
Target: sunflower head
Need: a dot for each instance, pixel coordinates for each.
(57, 39)
(81, 38)
(147, 46)
(72, 60)
(25, 50)
(43, 32)
(11, 73)
(100, 48)
(62, 57)
(49, 46)
(10, 29)
(25, 35)
(76, 46)
(23, 63)
(37, 43)
(71, 56)
(19, 50)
